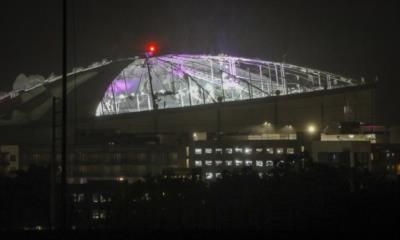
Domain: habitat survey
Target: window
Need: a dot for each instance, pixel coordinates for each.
(238, 163)
(269, 163)
(209, 175)
(270, 150)
(281, 163)
(259, 163)
(218, 175)
(218, 150)
(104, 198)
(98, 214)
(290, 150)
(208, 163)
(238, 150)
(279, 151)
(228, 150)
(218, 162)
(78, 197)
(248, 163)
(248, 150)
(229, 163)
(198, 151)
(96, 198)
(197, 163)
(259, 150)
(208, 150)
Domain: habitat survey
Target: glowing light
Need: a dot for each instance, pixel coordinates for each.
(267, 124)
(351, 136)
(121, 179)
(311, 129)
(151, 48)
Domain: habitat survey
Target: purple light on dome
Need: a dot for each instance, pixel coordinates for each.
(123, 86)
(178, 72)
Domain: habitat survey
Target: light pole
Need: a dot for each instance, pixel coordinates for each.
(150, 51)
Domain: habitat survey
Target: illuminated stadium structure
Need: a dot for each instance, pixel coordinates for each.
(131, 117)
(124, 86)
(188, 80)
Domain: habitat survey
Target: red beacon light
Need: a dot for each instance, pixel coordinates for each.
(151, 49)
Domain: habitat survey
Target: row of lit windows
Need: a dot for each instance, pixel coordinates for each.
(211, 175)
(246, 150)
(235, 163)
(96, 198)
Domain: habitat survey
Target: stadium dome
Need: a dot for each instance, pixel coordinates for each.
(189, 80)
(177, 81)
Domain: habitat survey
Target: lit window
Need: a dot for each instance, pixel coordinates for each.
(146, 197)
(269, 163)
(229, 163)
(98, 214)
(228, 150)
(208, 163)
(259, 163)
(238, 163)
(259, 150)
(102, 198)
(95, 198)
(95, 214)
(248, 163)
(218, 175)
(270, 150)
(218, 162)
(218, 150)
(279, 150)
(78, 197)
(290, 150)
(281, 163)
(198, 151)
(238, 150)
(248, 150)
(292, 136)
(208, 150)
(197, 163)
(209, 175)
(260, 175)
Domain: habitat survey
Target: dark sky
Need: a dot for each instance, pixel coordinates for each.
(353, 38)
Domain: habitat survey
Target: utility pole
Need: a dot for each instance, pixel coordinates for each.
(64, 120)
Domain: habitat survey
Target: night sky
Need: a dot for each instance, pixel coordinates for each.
(353, 38)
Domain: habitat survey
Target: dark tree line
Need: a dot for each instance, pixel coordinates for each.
(318, 198)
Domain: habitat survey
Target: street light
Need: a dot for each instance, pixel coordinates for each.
(311, 129)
